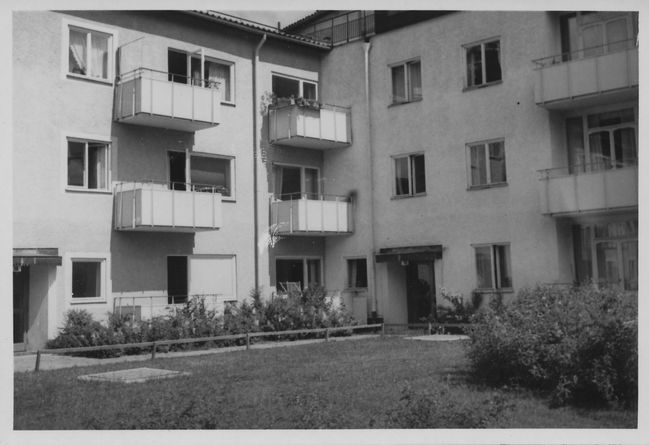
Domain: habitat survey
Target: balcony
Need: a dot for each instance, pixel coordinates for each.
(589, 77)
(312, 215)
(565, 192)
(157, 207)
(300, 126)
(159, 99)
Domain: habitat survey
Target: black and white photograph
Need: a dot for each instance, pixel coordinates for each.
(286, 223)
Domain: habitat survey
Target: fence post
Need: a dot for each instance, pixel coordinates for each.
(382, 330)
(430, 328)
(38, 360)
(153, 347)
(326, 334)
(247, 340)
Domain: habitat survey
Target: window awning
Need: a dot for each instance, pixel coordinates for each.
(410, 253)
(25, 257)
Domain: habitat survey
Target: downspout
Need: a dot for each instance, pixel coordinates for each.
(366, 47)
(255, 151)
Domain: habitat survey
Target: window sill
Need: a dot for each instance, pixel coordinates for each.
(228, 199)
(417, 195)
(484, 85)
(87, 300)
(89, 79)
(396, 104)
(487, 186)
(229, 104)
(90, 191)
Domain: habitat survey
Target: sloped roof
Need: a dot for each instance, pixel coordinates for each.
(259, 28)
(313, 16)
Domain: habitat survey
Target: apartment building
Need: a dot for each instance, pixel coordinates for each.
(384, 155)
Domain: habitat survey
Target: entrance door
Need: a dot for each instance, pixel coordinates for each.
(21, 299)
(420, 283)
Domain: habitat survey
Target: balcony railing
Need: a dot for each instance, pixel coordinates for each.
(297, 126)
(312, 215)
(167, 207)
(590, 76)
(159, 99)
(343, 28)
(588, 188)
(143, 307)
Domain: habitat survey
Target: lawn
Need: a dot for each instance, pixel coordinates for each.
(349, 384)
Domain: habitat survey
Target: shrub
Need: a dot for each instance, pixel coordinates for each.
(580, 344)
(79, 330)
(446, 407)
(457, 309)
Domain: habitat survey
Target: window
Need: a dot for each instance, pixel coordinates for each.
(406, 82)
(357, 273)
(209, 276)
(177, 279)
(602, 141)
(186, 68)
(210, 174)
(293, 182)
(487, 164)
(493, 266)
(410, 175)
(483, 64)
(87, 165)
(290, 86)
(89, 53)
(292, 273)
(88, 279)
(589, 34)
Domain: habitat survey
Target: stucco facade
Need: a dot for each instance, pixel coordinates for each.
(442, 225)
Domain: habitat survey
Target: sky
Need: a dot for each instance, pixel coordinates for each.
(285, 17)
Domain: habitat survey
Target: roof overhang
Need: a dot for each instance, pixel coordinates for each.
(39, 255)
(410, 253)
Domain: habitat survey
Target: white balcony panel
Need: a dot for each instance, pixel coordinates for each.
(153, 208)
(590, 192)
(154, 101)
(312, 217)
(587, 82)
(323, 129)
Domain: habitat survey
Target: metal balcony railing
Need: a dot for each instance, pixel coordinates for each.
(342, 28)
(584, 53)
(143, 307)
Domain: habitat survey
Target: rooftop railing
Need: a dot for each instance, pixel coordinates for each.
(342, 28)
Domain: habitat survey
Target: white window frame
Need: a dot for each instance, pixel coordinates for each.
(411, 176)
(301, 81)
(90, 27)
(367, 272)
(496, 274)
(86, 139)
(406, 70)
(193, 55)
(489, 183)
(482, 44)
(188, 169)
(89, 257)
(305, 271)
(302, 177)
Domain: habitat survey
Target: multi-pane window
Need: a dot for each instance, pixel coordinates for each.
(483, 63)
(297, 273)
(602, 141)
(89, 53)
(293, 182)
(206, 72)
(487, 163)
(212, 174)
(409, 175)
(406, 82)
(292, 87)
(590, 34)
(493, 266)
(88, 278)
(357, 273)
(87, 165)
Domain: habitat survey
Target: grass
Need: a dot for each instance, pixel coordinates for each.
(350, 384)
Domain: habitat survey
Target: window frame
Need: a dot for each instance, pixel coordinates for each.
(489, 183)
(300, 81)
(406, 64)
(305, 268)
(482, 43)
(192, 55)
(411, 176)
(88, 257)
(495, 272)
(188, 169)
(348, 281)
(67, 26)
(86, 139)
(303, 169)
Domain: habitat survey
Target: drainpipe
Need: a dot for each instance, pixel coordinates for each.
(255, 151)
(366, 47)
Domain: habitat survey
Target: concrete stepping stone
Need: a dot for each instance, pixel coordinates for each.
(135, 375)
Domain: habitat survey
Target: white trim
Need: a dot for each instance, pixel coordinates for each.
(406, 72)
(113, 44)
(85, 138)
(105, 286)
(411, 179)
(483, 64)
(302, 176)
(346, 259)
(485, 146)
(305, 272)
(300, 81)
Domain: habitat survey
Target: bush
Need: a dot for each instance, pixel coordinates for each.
(443, 407)
(580, 344)
(80, 330)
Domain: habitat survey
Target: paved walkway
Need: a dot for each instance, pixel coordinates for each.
(26, 363)
(439, 337)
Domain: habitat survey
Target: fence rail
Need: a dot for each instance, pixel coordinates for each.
(247, 336)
